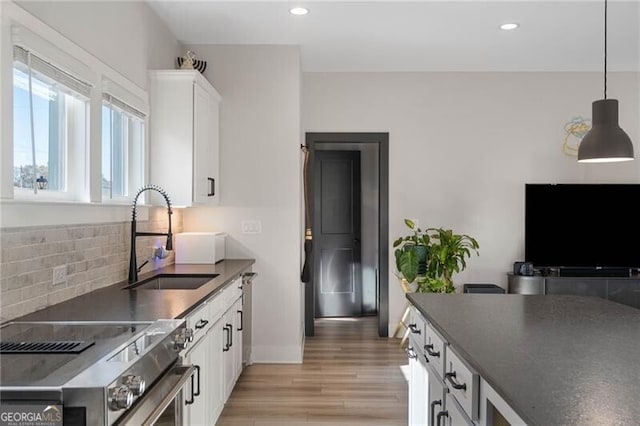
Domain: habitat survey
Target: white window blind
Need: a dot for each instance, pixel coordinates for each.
(51, 71)
(112, 100)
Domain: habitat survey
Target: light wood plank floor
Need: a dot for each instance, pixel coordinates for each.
(349, 377)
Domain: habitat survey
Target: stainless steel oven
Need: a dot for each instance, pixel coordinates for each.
(96, 373)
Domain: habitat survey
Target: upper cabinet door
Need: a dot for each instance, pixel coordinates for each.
(184, 137)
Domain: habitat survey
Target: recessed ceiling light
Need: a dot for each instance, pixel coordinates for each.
(509, 26)
(299, 11)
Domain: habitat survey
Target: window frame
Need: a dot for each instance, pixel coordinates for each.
(19, 27)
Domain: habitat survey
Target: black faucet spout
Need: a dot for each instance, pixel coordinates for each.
(133, 269)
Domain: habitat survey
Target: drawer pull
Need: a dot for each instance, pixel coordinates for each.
(426, 359)
(411, 353)
(201, 324)
(442, 414)
(451, 376)
(241, 321)
(433, 410)
(430, 351)
(414, 328)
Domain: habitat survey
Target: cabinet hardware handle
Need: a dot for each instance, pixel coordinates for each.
(433, 410)
(429, 350)
(426, 359)
(442, 414)
(201, 324)
(192, 397)
(226, 343)
(411, 353)
(241, 321)
(452, 375)
(230, 335)
(197, 392)
(212, 187)
(414, 329)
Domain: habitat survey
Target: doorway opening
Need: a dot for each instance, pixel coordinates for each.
(348, 194)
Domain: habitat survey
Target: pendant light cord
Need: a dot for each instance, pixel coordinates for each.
(605, 49)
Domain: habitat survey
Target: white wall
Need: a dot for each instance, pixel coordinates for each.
(127, 35)
(260, 180)
(462, 146)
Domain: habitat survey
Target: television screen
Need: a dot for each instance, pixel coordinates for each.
(582, 225)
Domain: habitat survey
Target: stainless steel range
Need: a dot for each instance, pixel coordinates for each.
(92, 373)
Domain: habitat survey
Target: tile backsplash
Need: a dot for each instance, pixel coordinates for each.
(95, 256)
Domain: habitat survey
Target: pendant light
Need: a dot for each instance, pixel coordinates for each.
(606, 141)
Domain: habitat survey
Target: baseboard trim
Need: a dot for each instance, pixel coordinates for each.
(277, 354)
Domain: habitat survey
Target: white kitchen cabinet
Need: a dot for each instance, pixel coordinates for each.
(195, 404)
(184, 137)
(232, 363)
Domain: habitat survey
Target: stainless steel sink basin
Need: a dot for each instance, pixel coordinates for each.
(172, 282)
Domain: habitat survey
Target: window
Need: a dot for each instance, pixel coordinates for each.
(50, 112)
(122, 148)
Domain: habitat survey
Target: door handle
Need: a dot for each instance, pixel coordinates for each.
(433, 411)
(241, 321)
(197, 392)
(226, 343)
(212, 187)
(230, 335)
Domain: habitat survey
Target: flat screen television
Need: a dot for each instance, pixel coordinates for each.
(582, 225)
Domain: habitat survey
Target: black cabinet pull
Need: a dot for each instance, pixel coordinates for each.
(241, 321)
(191, 399)
(226, 343)
(433, 411)
(201, 324)
(442, 414)
(429, 349)
(230, 335)
(212, 187)
(426, 359)
(452, 375)
(197, 392)
(414, 329)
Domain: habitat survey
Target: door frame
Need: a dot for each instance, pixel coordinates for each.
(382, 141)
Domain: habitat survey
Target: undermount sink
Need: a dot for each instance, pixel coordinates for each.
(172, 282)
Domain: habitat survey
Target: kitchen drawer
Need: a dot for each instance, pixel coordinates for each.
(435, 349)
(417, 327)
(463, 383)
(199, 321)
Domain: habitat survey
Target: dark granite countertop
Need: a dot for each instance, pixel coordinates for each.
(112, 303)
(556, 360)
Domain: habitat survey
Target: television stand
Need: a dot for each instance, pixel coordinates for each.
(594, 272)
(621, 289)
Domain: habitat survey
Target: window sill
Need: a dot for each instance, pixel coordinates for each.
(22, 213)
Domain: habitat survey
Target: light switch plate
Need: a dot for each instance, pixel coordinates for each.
(251, 227)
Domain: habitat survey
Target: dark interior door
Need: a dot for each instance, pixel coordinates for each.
(337, 274)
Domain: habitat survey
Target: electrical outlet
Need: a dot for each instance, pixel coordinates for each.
(251, 227)
(60, 274)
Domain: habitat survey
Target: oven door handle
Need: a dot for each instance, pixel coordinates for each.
(154, 401)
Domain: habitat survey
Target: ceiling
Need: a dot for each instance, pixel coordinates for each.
(421, 35)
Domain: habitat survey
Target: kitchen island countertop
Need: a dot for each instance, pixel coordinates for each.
(556, 360)
(113, 303)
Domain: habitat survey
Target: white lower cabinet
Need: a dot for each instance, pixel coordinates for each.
(217, 353)
(443, 390)
(195, 405)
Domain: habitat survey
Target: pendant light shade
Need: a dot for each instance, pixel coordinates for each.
(606, 141)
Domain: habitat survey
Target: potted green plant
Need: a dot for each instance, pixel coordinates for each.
(411, 252)
(448, 254)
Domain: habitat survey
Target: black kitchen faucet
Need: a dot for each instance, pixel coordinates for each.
(133, 269)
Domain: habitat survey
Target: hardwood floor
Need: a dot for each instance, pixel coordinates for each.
(350, 376)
